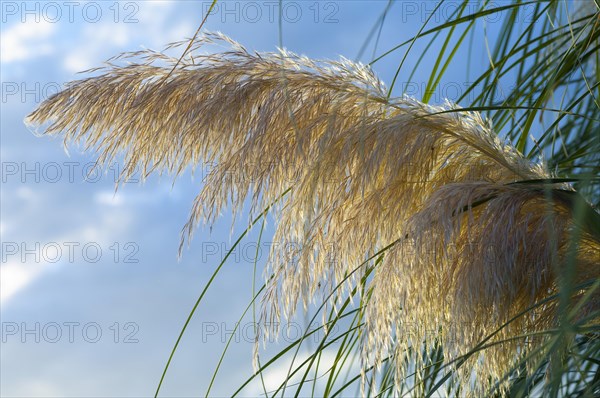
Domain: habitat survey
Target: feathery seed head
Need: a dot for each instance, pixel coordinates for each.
(471, 250)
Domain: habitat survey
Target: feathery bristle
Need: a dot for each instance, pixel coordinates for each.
(472, 250)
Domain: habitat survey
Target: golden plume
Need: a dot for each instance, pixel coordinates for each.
(473, 246)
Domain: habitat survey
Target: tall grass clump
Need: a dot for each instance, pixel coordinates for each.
(470, 263)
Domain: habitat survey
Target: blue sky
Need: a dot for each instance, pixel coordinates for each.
(79, 260)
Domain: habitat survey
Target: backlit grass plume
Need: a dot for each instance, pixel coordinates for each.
(477, 234)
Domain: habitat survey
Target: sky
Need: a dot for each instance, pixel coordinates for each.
(92, 293)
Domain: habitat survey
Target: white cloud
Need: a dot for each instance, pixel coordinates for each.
(4, 228)
(15, 275)
(275, 375)
(153, 29)
(152, 9)
(96, 38)
(25, 193)
(108, 198)
(27, 40)
(18, 272)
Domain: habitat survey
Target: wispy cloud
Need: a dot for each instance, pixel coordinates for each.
(27, 40)
(15, 276)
